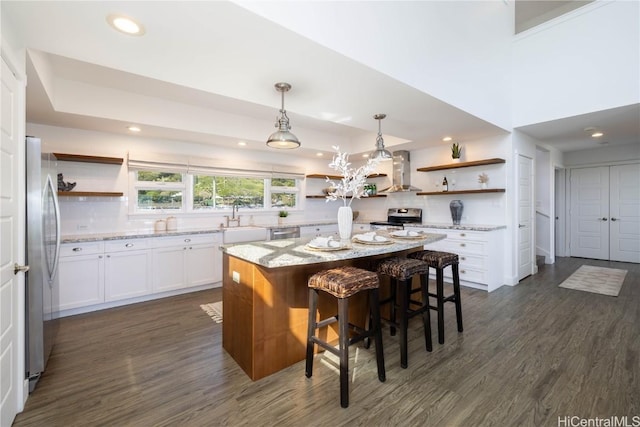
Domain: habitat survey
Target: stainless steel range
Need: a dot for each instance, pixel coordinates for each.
(397, 217)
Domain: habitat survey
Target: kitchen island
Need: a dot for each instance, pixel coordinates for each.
(265, 296)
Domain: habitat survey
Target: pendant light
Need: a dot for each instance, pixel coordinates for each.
(380, 153)
(282, 138)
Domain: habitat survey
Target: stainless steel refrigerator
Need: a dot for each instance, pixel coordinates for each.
(43, 249)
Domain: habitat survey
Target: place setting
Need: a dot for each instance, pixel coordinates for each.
(326, 244)
(371, 238)
(407, 234)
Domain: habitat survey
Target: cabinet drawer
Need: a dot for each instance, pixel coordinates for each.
(472, 261)
(458, 247)
(187, 239)
(466, 273)
(317, 230)
(126, 245)
(84, 248)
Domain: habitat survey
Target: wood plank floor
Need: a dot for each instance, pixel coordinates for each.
(528, 355)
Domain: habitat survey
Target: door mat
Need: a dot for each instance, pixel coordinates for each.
(214, 310)
(599, 280)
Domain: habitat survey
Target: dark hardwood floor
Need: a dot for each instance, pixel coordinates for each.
(528, 355)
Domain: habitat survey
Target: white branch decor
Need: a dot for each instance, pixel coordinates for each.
(351, 186)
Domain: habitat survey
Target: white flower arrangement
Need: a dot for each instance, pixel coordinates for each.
(351, 186)
(483, 178)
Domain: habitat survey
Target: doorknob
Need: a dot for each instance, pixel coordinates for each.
(521, 225)
(18, 268)
(614, 219)
(603, 219)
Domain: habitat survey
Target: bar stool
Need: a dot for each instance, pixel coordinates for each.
(342, 283)
(401, 272)
(439, 261)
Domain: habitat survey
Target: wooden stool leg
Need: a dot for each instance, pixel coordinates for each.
(456, 292)
(440, 297)
(392, 310)
(311, 329)
(426, 312)
(343, 326)
(375, 316)
(404, 321)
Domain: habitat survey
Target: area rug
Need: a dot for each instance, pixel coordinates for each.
(599, 280)
(214, 310)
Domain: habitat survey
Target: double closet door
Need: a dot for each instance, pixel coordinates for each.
(605, 213)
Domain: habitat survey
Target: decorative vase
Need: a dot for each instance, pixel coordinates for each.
(456, 207)
(455, 160)
(345, 222)
(483, 185)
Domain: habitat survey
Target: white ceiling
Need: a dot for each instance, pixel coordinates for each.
(205, 71)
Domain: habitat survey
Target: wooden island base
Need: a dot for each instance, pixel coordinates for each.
(266, 309)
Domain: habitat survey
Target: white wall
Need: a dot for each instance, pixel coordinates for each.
(585, 61)
(105, 215)
(603, 155)
(456, 51)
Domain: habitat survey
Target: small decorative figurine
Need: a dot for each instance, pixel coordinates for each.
(64, 186)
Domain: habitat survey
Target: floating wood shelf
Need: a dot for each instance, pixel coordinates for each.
(89, 159)
(322, 197)
(461, 165)
(444, 193)
(321, 176)
(89, 194)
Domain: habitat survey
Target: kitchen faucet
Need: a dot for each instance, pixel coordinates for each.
(233, 219)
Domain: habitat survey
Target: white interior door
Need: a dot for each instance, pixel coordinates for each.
(590, 212)
(624, 210)
(525, 217)
(10, 283)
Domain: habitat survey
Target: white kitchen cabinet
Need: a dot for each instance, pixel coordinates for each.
(479, 252)
(186, 261)
(126, 268)
(81, 274)
(318, 230)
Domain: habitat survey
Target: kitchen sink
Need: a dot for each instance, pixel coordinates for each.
(244, 234)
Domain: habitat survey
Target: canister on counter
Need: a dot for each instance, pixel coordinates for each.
(172, 223)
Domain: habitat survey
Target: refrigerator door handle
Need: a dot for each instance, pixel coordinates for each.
(56, 208)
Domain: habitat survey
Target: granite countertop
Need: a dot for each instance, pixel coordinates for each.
(291, 252)
(467, 227)
(133, 235)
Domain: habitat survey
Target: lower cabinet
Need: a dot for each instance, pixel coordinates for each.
(318, 230)
(81, 274)
(126, 270)
(186, 261)
(479, 253)
(103, 272)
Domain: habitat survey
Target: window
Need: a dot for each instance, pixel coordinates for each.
(185, 192)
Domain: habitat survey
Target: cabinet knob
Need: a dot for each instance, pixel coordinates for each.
(463, 271)
(614, 219)
(128, 245)
(603, 219)
(187, 240)
(463, 258)
(108, 256)
(190, 247)
(77, 249)
(99, 256)
(463, 234)
(463, 244)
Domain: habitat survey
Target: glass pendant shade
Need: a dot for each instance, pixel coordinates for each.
(282, 138)
(380, 152)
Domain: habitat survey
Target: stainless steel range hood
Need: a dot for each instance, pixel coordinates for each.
(401, 173)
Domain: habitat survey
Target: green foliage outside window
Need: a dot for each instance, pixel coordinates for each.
(149, 176)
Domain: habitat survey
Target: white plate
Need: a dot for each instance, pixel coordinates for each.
(372, 242)
(326, 248)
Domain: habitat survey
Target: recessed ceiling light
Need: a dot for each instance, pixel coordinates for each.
(319, 154)
(447, 139)
(597, 134)
(365, 155)
(242, 143)
(134, 129)
(126, 25)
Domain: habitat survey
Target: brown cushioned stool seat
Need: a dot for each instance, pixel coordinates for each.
(439, 261)
(401, 272)
(342, 283)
